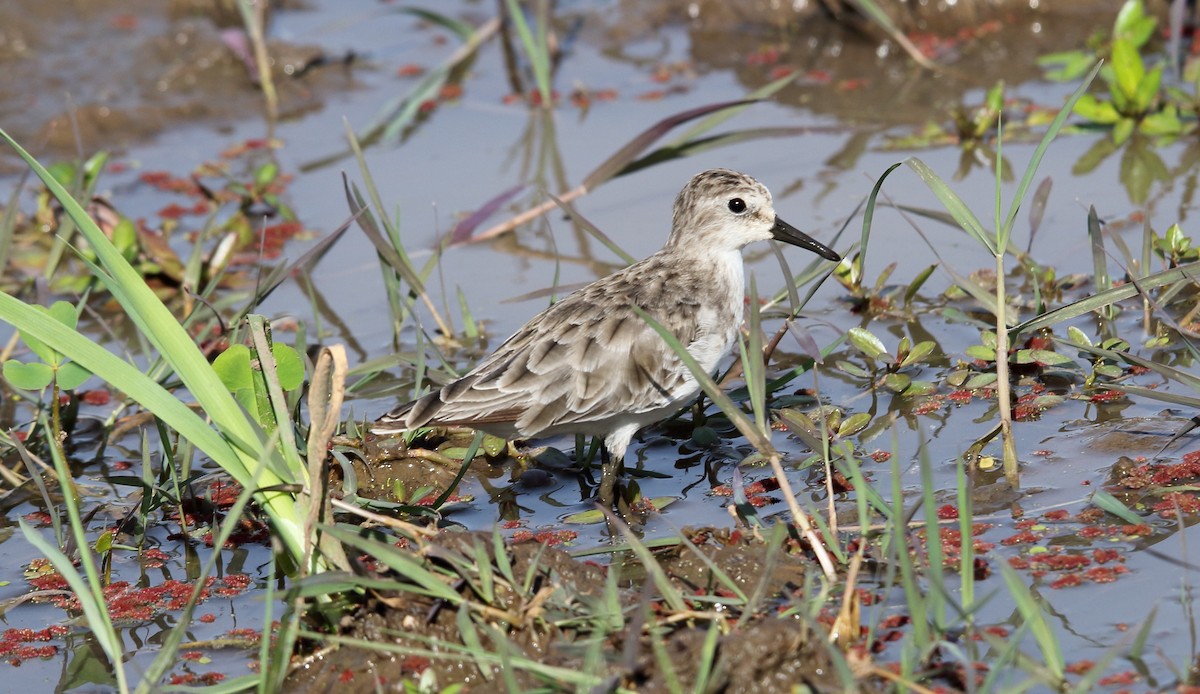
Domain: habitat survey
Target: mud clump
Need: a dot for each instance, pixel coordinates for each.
(558, 612)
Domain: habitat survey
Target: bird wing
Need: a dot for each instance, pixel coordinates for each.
(586, 358)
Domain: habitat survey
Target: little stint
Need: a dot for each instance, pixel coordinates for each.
(590, 364)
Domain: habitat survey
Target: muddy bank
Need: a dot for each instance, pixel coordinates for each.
(562, 618)
(120, 72)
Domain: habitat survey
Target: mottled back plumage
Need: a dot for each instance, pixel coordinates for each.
(590, 364)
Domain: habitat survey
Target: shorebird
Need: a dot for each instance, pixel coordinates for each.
(589, 364)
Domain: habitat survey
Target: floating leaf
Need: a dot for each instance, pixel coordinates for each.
(585, 517)
(896, 382)
(854, 424)
(920, 388)
(919, 351)
(980, 381)
(1042, 356)
(853, 370)
(866, 343)
(982, 353)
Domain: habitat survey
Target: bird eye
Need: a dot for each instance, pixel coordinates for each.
(737, 206)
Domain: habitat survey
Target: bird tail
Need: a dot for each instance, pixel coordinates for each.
(409, 415)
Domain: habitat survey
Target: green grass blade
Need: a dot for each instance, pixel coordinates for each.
(1033, 614)
(953, 204)
(1031, 170)
(1096, 302)
(97, 615)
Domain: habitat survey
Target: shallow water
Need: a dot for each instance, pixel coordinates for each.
(472, 148)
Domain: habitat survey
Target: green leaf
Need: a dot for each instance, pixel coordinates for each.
(1042, 356)
(918, 353)
(919, 388)
(71, 375)
(980, 381)
(266, 173)
(866, 343)
(854, 424)
(982, 353)
(1133, 24)
(1147, 89)
(233, 367)
(1123, 129)
(1127, 67)
(104, 543)
(1110, 504)
(1077, 335)
(585, 517)
(124, 237)
(896, 383)
(288, 366)
(953, 204)
(34, 376)
(1165, 122)
(851, 369)
(1096, 111)
(64, 313)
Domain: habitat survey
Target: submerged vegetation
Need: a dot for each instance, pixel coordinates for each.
(853, 558)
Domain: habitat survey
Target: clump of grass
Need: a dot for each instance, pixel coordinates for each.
(997, 243)
(235, 443)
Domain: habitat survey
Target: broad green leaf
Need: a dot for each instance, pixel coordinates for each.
(980, 381)
(104, 543)
(1133, 24)
(1042, 356)
(918, 353)
(1165, 122)
(1147, 89)
(896, 382)
(1122, 130)
(591, 517)
(32, 376)
(866, 343)
(1127, 67)
(288, 366)
(71, 375)
(851, 369)
(233, 366)
(124, 237)
(1096, 111)
(919, 388)
(854, 424)
(982, 353)
(1077, 335)
(64, 313)
(265, 174)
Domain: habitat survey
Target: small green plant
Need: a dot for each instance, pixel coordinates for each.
(889, 366)
(1135, 97)
(242, 372)
(53, 367)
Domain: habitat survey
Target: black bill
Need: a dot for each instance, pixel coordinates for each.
(782, 231)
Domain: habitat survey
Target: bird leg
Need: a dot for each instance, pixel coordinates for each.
(610, 472)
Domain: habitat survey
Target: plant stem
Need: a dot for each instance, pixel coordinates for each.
(1003, 386)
